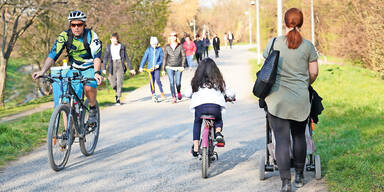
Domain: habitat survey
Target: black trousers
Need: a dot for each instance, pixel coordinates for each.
(199, 57)
(216, 53)
(283, 129)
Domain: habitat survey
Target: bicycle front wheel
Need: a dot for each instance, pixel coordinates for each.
(59, 146)
(205, 159)
(91, 132)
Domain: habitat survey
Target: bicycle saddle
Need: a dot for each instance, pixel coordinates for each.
(207, 117)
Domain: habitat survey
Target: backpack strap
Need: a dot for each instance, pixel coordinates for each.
(85, 41)
(68, 43)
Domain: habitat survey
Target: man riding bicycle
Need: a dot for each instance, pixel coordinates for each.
(84, 53)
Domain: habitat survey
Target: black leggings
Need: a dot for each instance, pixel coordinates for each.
(283, 128)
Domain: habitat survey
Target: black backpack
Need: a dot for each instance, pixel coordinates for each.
(68, 43)
(266, 77)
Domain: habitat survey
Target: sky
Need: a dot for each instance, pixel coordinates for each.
(207, 3)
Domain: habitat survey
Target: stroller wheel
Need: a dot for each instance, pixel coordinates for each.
(317, 167)
(262, 167)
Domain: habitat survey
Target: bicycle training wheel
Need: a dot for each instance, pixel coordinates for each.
(57, 139)
(89, 141)
(205, 159)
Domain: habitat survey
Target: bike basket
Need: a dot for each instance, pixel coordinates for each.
(59, 86)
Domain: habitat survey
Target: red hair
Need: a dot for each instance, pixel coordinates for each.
(294, 20)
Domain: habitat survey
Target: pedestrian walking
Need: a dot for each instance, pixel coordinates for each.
(206, 43)
(116, 55)
(153, 56)
(230, 39)
(199, 49)
(288, 103)
(225, 39)
(174, 63)
(216, 44)
(190, 50)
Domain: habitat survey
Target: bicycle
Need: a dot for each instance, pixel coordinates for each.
(208, 142)
(68, 121)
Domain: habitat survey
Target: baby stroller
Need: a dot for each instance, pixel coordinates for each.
(267, 161)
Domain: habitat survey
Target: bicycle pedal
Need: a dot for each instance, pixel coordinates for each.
(220, 144)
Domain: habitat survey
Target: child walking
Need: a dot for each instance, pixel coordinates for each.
(154, 58)
(208, 96)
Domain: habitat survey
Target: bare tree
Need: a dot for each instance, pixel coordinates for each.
(16, 17)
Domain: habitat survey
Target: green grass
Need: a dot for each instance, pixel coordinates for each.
(350, 134)
(15, 102)
(23, 135)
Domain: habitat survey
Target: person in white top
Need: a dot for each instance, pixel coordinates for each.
(208, 95)
(116, 55)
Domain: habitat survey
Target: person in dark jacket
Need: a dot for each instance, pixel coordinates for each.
(199, 49)
(216, 45)
(116, 55)
(174, 63)
(206, 43)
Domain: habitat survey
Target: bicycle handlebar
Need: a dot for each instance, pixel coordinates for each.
(82, 79)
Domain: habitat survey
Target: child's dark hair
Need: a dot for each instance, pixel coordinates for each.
(208, 75)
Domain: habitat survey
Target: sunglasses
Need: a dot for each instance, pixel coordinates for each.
(77, 25)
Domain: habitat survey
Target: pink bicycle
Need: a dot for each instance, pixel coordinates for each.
(208, 142)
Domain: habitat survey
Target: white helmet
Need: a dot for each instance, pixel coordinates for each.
(77, 15)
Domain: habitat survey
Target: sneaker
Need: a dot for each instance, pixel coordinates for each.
(117, 100)
(92, 116)
(174, 100)
(299, 179)
(162, 96)
(286, 185)
(194, 153)
(220, 138)
(179, 96)
(154, 98)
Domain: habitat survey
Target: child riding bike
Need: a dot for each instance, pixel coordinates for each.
(208, 96)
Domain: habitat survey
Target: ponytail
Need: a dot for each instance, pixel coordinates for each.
(294, 19)
(294, 39)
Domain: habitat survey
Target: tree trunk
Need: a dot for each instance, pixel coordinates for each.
(3, 77)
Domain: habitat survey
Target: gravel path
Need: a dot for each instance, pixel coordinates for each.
(145, 146)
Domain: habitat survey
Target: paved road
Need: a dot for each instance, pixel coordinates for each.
(145, 147)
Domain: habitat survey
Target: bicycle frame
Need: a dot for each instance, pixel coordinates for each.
(71, 95)
(207, 132)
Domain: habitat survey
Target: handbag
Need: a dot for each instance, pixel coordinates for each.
(266, 76)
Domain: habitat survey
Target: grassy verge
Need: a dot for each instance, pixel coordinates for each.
(25, 134)
(15, 91)
(350, 133)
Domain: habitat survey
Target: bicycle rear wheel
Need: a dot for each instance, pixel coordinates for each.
(205, 162)
(89, 141)
(57, 139)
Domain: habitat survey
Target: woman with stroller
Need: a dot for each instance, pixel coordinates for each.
(288, 103)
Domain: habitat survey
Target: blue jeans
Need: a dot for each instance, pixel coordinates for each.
(190, 60)
(172, 75)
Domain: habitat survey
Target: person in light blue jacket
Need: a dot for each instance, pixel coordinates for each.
(154, 58)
